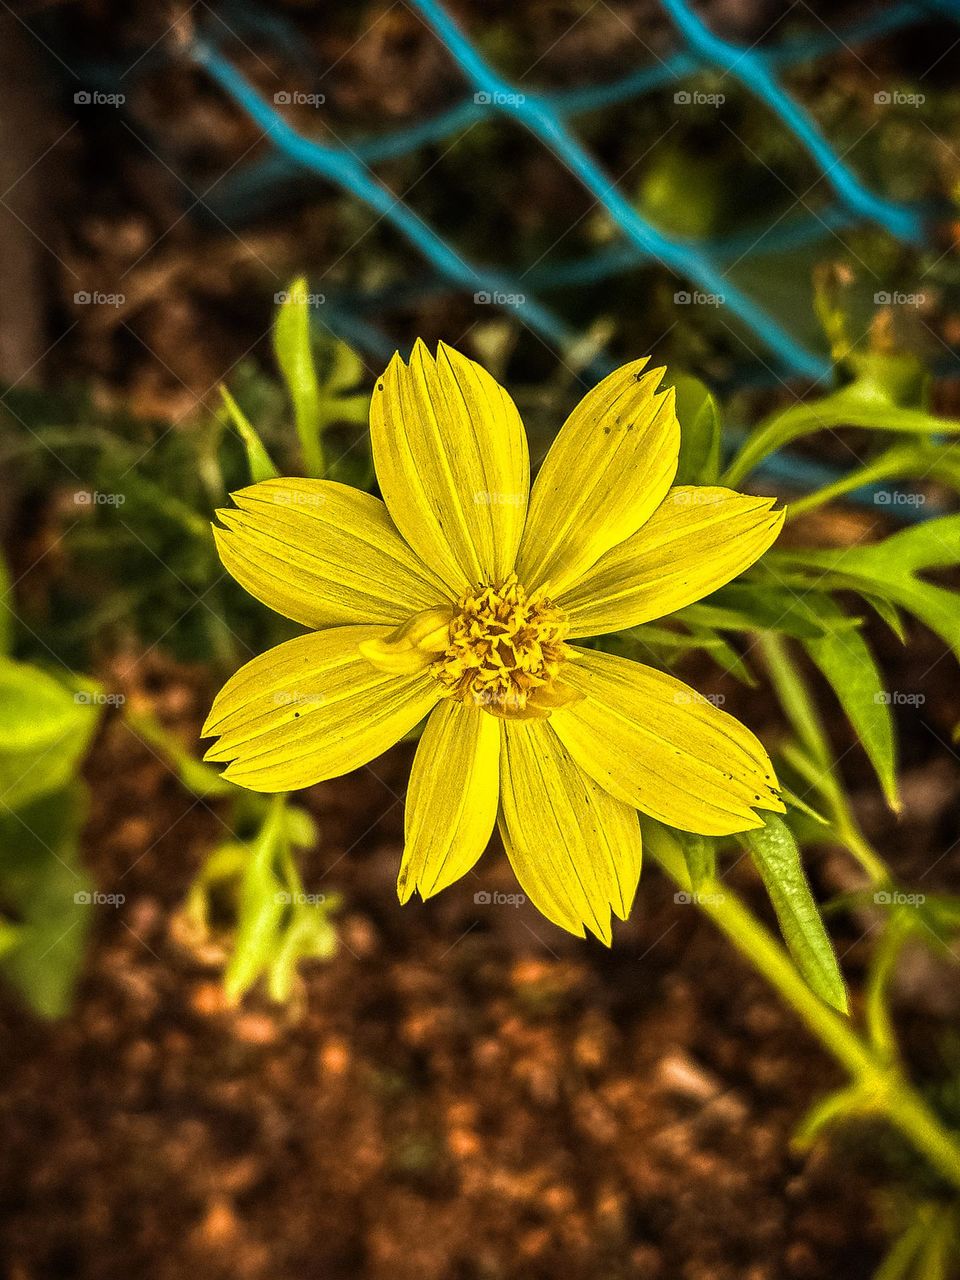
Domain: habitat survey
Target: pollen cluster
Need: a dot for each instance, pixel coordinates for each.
(505, 650)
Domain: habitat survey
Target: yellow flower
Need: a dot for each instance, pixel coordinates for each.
(458, 597)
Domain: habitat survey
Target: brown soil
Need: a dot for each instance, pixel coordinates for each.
(463, 1092)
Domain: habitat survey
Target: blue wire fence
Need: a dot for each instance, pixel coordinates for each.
(547, 116)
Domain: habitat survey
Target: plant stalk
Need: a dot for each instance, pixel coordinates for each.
(879, 1081)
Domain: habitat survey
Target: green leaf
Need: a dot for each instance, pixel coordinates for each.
(294, 352)
(873, 400)
(6, 609)
(258, 459)
(49, 896)
(700, 855)
(700, 430)
(777, 858)
(889, 569)
(262, 903)
(200, 779)
(918, 459)
(847, 662)
(46, 731)
(754, 606)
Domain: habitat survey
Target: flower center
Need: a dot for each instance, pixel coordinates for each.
(505, 651)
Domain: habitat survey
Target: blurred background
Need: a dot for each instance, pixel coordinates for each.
(456, 1089)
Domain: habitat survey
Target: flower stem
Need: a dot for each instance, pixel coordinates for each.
(879, 1082)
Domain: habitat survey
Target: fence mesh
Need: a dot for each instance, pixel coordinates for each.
(548, 116)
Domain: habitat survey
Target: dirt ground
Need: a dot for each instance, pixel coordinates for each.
(463, 1092)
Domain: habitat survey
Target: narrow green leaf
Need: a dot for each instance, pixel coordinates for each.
(889, 569)
(847, 662)
(700, 430)
(6, 609)
(200, 779)
(700, 855)
(258, 459)
(777, 858)
(294, 352)
(262, 905)
(875, 400)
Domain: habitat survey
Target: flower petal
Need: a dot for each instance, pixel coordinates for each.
(312, 709)
(574, 848)
(655, 743)
(451, 457)
(696, 540)
(323, 554)
(452, 798)
(606, 473)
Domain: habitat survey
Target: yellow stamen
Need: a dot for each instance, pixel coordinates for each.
(505, 651)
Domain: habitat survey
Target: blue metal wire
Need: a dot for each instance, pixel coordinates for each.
(545, 116)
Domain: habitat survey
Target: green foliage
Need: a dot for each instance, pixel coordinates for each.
(46, 896)
(47, 728)
(293, 348)
(777, 858)
(273, 924)
(322, 390)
